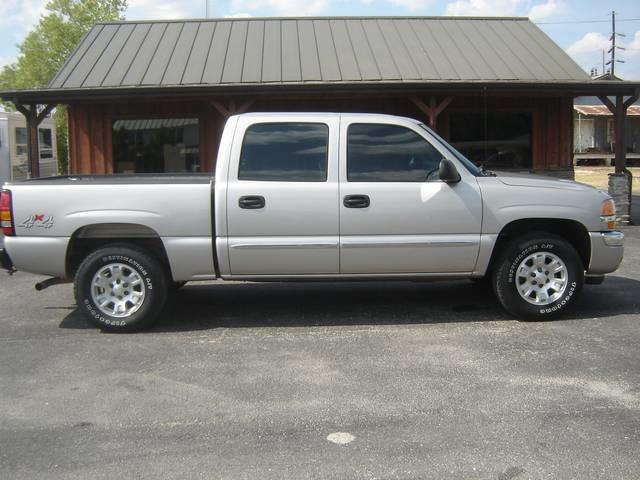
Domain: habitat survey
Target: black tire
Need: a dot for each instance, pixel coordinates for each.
(130, 259)
(505, 278)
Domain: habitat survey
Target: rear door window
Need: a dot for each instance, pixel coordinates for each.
(285, 152)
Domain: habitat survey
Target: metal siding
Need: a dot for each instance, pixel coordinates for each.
(272, 52)
(106, 61)
(438, 55)
(538, 70)
(309, 62)
(181, 53)
(350, 50)
(162, 55)
(89, 59)
(197, 60)
(347, 60)
(362, 50)
(489, 56)
(420, 59)
(408, 70)
(217, 53)
(514, 64)
(474, 55)
(124, 60)
(60, 79)
(329, 67)
(384, 59)
(291, 68)
(252, 66)
(459, 60)
(144, 55)
(567, 68)
(234, 60)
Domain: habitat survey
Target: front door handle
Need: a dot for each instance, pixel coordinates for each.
(251, 202)
(356, 201)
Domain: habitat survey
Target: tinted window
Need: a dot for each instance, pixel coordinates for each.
(495, 140)
(389, 153)
(285, 152)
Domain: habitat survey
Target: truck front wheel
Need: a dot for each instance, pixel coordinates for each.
(120, 288)
(538, 277)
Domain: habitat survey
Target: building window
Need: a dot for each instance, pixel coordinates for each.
(285, 152)
(45, 143)
(159, 145)
(496, 140)
(389, 153)
(21, 141)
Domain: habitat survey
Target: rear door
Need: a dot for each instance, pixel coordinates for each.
(396, 216)
(282, 196)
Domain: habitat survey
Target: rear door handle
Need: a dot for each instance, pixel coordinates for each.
(356, 201)
(251, 202)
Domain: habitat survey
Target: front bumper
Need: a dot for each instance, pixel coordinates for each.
(5, 261)
(607, 249)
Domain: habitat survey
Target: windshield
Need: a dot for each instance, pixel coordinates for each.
(468, 164)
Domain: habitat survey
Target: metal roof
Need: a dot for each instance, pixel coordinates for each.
(601, 110)
(289, 51)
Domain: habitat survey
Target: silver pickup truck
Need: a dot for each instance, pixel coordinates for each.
(312, 196)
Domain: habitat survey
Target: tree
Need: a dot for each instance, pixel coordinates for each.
(48, 45)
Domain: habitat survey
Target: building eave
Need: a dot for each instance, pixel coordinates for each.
(534, 88)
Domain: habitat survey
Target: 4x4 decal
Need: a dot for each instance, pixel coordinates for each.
(38, 220)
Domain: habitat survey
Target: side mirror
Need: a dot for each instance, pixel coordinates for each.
(448, 172)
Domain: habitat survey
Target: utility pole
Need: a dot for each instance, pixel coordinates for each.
(613, 48)
(206, 8)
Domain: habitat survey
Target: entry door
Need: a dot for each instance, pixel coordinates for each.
(282, 207)
(396, 216)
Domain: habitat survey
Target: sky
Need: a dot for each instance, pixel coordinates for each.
(581, 27)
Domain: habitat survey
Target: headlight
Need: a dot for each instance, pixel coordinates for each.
(608, 214)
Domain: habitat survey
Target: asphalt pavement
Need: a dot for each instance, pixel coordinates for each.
(317, 380)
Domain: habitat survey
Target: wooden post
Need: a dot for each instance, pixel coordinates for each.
(619, 111)
(620, 181)
(33, 119)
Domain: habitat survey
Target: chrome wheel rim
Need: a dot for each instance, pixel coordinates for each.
(541, 278)
(118, 290)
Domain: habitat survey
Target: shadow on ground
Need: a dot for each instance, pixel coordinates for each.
(233, 305)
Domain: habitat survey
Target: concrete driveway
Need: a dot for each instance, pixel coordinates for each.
(416, 380)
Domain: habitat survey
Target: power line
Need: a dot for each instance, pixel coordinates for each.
(587, 21)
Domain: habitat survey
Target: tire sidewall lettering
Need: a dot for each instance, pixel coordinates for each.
(91, 308)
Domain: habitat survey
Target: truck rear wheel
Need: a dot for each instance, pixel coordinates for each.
(120, 288)
(538, 277)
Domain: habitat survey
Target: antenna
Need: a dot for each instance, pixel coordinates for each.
(613, 48)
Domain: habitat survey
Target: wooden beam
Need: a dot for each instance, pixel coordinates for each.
(630, 101)
(608, 103)
(222, 110)
(232, 108)
(43, 114)
(433, 109)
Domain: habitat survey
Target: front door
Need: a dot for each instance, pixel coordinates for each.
(396, 216)
(282, 195)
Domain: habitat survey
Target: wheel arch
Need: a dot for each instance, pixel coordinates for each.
(572, 231)
(89, 238)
